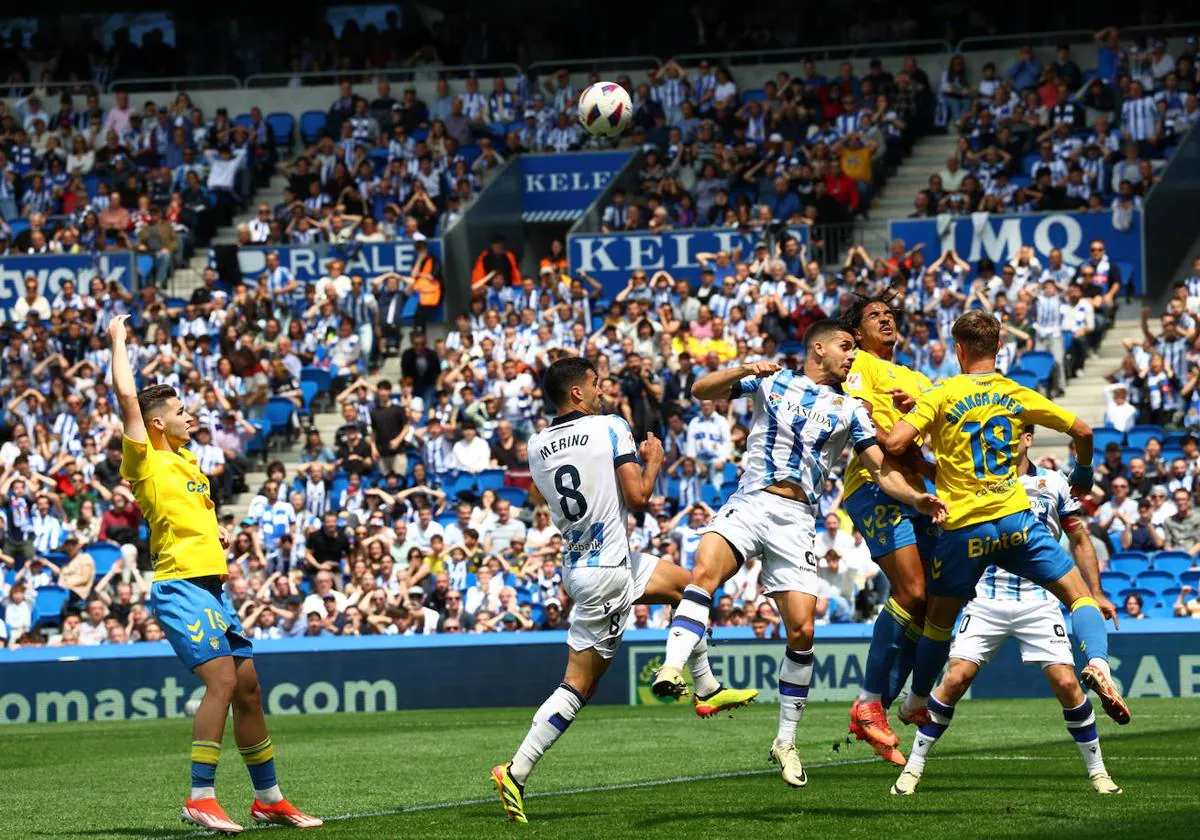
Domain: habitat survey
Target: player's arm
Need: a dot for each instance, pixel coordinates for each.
(637, 479)
(725, 384)
(890, 478)
(123, 382)
(1084, 555)
(1042, 412)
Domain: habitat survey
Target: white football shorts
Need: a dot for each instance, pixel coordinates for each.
(603, 597)
(781, 530)
(1037, 626)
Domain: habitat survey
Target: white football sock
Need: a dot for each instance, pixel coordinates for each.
(703, 682)
(269, 796)
(203, 793)
(795, 673)
(549, 722)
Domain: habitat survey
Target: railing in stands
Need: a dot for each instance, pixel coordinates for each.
(1071, 36)
(175, 83)
(831, 51)
(383, 74)
(635, 63)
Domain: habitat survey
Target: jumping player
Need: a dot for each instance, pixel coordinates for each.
(187, 596)
(898, 536)
(801, 424)
(975, 420)
(1006, 606)
(585, 467)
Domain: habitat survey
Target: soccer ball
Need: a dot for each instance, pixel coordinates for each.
(605, 109)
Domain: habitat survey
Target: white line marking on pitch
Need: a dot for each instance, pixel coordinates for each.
(675, 780)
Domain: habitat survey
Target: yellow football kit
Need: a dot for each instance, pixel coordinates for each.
(975, 421)
(870, 379)
(174, 497)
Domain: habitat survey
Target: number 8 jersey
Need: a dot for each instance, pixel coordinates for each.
(574, 464)
(975, 421)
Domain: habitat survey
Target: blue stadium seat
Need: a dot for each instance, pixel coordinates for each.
(1114, 582)
(1190, 578)
(1175, 562)
(1024, 378)
(258, 445)
(50, 603)
(1170, 453)
(1139, 436)
(515, 496)
(710, 495)
(243, 120)
(1174, 440)
(280, 411)
(1160, 608)
(1130, 452)
(284, 126)
(105, 555)
(1039, 363)
(310, 391)
(730, 475)
(1168, 596)
(312, 123)
(754, 95)
(145, 265)
(489, 479)
(446, 517)
(469, 151)
(1102, 436)
(1131, 563)
(1156, 581)
(1148, 596)
(321, 377)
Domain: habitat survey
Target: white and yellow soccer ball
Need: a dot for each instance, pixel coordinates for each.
(605, 109)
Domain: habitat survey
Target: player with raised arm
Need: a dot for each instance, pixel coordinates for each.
(901, 539)
(187, 547)
(801, 424)
(1007, 606)
(974, 420)
(585, 466)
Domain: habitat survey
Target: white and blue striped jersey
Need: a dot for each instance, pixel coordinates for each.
(798, 431)
(574, 462)
(1051, 501)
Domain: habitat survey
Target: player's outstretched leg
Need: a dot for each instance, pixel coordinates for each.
(795, 675)
(550, 721)
(1087, 625)
(715, 563)
(932, 651)
(250, 732)
(939, 716)
(893, 647)
(208, 729)
(668, 585)
(1081, 724)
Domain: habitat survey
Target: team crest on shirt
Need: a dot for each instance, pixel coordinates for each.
(774, 399)
(837, 401)
(213, 642)
(1041, 484)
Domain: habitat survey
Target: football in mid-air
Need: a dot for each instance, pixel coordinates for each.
(605, 109)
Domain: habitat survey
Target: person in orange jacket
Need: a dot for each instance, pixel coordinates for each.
(499, 259)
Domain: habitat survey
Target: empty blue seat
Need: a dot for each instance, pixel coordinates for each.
(243, 120)
(1102, 436)
(1155, 581)
(1190, 578)
(1128, 453)
(1139, 436)
(280, 411)
(312, 123)
(489, 479)
(1170, 453)
(1174, 440)
(1159, 609)
(1131, 563)
(105, 555)
(258, 445)
(1039, 363)
(730, 475)
(284, 126)
(754, 95)
(513, 495)
(1175, 562)
(1114, 582)
(710, 495)
(310, 390)
(1167, 597)
(1024, 378)
(50, 603)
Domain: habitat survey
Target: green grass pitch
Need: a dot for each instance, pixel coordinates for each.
(1005, 769)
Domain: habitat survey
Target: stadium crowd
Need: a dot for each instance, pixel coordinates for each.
(1041, 134)
(414, 517)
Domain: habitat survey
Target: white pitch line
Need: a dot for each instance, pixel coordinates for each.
(674, 780)
(648, 783)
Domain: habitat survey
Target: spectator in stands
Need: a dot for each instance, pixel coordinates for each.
(1182, 528)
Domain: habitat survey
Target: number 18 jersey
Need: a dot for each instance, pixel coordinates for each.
(574, 464)
(975, 421)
